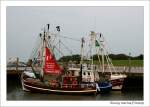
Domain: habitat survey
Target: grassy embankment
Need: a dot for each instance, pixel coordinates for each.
(137, 63)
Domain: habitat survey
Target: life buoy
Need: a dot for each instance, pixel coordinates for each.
(74, 84)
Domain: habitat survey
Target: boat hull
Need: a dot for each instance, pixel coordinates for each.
(58, 91)
(117, 84)
(31, 86)
(104, 88)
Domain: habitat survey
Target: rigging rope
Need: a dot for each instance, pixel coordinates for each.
(66, 47)
(35, 49)
(75, 39)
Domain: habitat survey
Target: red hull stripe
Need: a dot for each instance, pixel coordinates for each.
(63, 91)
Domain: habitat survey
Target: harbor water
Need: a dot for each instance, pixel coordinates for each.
(15, 93)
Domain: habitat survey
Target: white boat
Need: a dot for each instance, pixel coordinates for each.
(90, 74)
(117, 78)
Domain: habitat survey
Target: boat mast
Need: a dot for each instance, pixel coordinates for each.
(43, 56)
(58, 30)
(98, 50)
(93, 35)
(81, 62)
(44, 45)
(102, 51)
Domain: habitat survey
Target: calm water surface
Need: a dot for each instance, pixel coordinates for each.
(15, 92)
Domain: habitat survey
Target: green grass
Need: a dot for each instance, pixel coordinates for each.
(137, 63)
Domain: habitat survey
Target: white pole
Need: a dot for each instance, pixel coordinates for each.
(92, 43)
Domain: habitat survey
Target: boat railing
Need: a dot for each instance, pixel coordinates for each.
(79, 85)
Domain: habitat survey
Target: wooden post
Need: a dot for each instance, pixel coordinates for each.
(17, 70)
(17, 64)
(129, 63)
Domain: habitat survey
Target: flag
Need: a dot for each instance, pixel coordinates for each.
(96, 43)
(58, 28)
(100, 35)
(48, 26)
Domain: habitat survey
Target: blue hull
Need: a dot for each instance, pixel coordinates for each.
(105, 87)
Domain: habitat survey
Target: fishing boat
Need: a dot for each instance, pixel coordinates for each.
(117, 81)
(48, 76)
(116, 78)
(103, 82)
(90, 75)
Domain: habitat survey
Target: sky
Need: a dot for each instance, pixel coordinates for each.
(122, 27)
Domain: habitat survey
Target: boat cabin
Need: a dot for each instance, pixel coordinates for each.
(87, 73)
(70, 81)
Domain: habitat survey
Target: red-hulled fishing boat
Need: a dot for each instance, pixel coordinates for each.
(47, 76)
